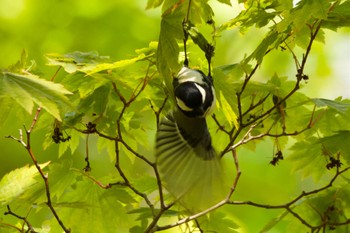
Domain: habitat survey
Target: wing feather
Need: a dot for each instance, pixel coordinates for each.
(189, 166)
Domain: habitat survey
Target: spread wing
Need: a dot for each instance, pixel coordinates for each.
(189, 166)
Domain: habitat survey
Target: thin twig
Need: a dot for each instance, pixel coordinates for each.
(249, 137)
(56, 73)
(300, 75)
(25, 220)
(188, 11)
(126, 180)
(44, 176)
(238, 175)
(158, 112)
(94, 180)
(152, 227)
(288, 205)
(87, 167)
(11, 226)
(86, 131)
(220, 126)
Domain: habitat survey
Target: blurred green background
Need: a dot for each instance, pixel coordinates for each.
(116, 28)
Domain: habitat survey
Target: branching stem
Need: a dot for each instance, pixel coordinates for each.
(44, 176)
(24, 219)
(289, 205)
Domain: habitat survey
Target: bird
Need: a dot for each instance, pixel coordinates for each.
(194, 92)
(189, 165)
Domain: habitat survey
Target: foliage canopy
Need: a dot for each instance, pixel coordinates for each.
(95, 105)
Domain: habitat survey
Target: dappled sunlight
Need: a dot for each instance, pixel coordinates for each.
(177, 116)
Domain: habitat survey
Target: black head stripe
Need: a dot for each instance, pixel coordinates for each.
(194, 92)
(189, 94)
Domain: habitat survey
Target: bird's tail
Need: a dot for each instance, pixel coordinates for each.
(189, 166)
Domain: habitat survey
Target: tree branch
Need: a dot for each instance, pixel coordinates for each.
(25, 220)
(158, 112)
(44, 176)
(289, 205)
(126, 180)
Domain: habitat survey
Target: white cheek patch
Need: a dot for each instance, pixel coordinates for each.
(202, 91)
(182, 105)
(214, 96)
(213, 104)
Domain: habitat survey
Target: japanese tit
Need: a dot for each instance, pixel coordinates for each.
(188, 164)
(194, 93)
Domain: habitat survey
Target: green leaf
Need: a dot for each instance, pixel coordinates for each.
(341, 107)
(76, 61)
(255, 14)
(228, 112)
(145, 213)
(96, 102)
(91, 63)
(338, 143)
(9, 113)
(26, 90)
(333, 117)
(17, 182)
(311, 155)
(338, 17)
(168, 49)
(97, 206)
(320, 9)
(271, 40)
(153, 4)
(116, 65)
(217, 221)
(230, 71)
(198, 39)
(227, 2)
(308, 159)
(72, 118)
(140, 229)
(306, 10)
(273, 222)
(333, 203)
(150, 50)
(200, 12)
(84, 84)
(21, 65)
(61, 178)
(146, 184)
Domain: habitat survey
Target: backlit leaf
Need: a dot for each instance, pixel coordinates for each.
(228, 112)
(218, 221)
(338, 143)
(228, 2)
(339, 106)
(273, 222)
(338, 17)
(26, 90)
(17, 182)
(307, 158)
(76, 61)
(115, 65)
(153, 3)
(168, 49)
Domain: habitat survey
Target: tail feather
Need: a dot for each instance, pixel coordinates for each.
(189, 166)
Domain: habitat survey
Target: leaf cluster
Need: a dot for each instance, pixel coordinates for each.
(95, 105)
